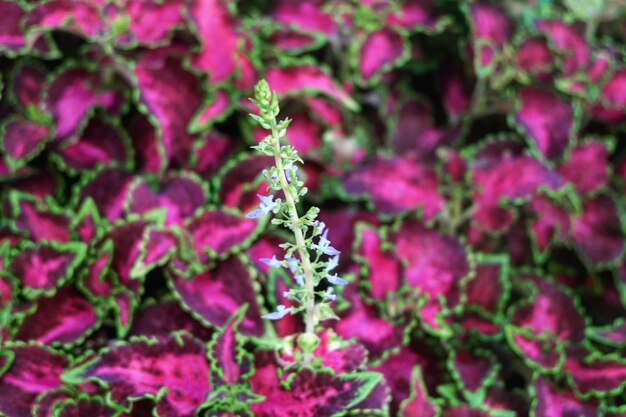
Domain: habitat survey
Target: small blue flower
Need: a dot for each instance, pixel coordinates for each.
(272, 263)
(292, 263)
(267, 204)
(335, 280)
(332, 263)
(329, 294)
(281, 311)
(299, 279)
(324, 245)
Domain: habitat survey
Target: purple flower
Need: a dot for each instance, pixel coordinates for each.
(267, 204)
(324, 245)
(335, 280)
(281, 311)
(292, 263)
(329, 294)
(332, 263)
(299, 279)
(272, 263)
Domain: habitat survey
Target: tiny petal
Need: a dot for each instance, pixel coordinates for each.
(255, 214)
(335, 280)
(292, 263)
(333, 262)
(280, 312)
(329, 294)
(272, 263)
(299, 279)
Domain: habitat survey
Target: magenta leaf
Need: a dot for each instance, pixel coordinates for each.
(380, 52)
(218, 233)
(383, 268)
(40, 221)
(612, 107)
(569, 43)
(171, 95)
(72, 94)
(596, 231)
(305, 16)
(211, 153)
(35, 369)
(396, 185)
(587, 167)
(549, 401)
(418, 404)
(21, 140)
(540, 326)
(547, 120)
(311, 394)
(44, 267)
(434, 265)
(83, 406)
(473, 372)
(507, 177)
(595, 374)
(11, 32)
(533, 56)
(214, 296)
(241, 178)
(95, 280)
(71, 15)
(66, 318)
(307, 80)
(552, 223)
(611, 335)
(181, 195)
(150, 155)
(152, 23)
(230, 362)
(415, 15)
(216, 110)
(173, 371)
(100, 143)
(160, 319)
(108, 188)
(491, 29)
(213, 20)
(28, 84)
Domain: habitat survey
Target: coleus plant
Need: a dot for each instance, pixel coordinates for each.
(466, 157)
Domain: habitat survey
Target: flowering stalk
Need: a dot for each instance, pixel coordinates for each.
(310, 262)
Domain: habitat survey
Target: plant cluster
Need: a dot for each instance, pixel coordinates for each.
(466, 157)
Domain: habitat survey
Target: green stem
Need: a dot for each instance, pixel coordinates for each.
(309, 296)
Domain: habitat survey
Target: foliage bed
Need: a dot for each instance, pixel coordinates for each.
(466, 157)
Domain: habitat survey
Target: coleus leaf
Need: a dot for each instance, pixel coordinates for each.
(40, 221)
(307, 79)
(548, 320)
(318, 394)
(43, 267)
(108, 188)
(21, 140)
(94, 278)
(213, 20)
(150, 154)
(506, 177)
(552, 223)
(379, 52)
(568, 42)
(241, 180)
(171, 95)
(396, 185)
(474, 372)
(305, 16)
(125, 303)
(534, 57)
(434, 265)
(612, 106)
(486, 294)
(418, 404)
(549, 401)
(211, 152)
(383, 270)
(181, 195)
(161, 318)
(613, 334)
(35, 369)
(72, 94)
(491, 29)
(71, 15)
(590, 373)
(416, 15)
(218, 233)
(597, 232)
(100, 143)
(229, 360)
(151, 23)
(587, 167)
(11, 33)
(84, 406)
(547, 120)
(215, 295)
(215, 110)
(174, 372)
(66, 318)
(28, 80)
